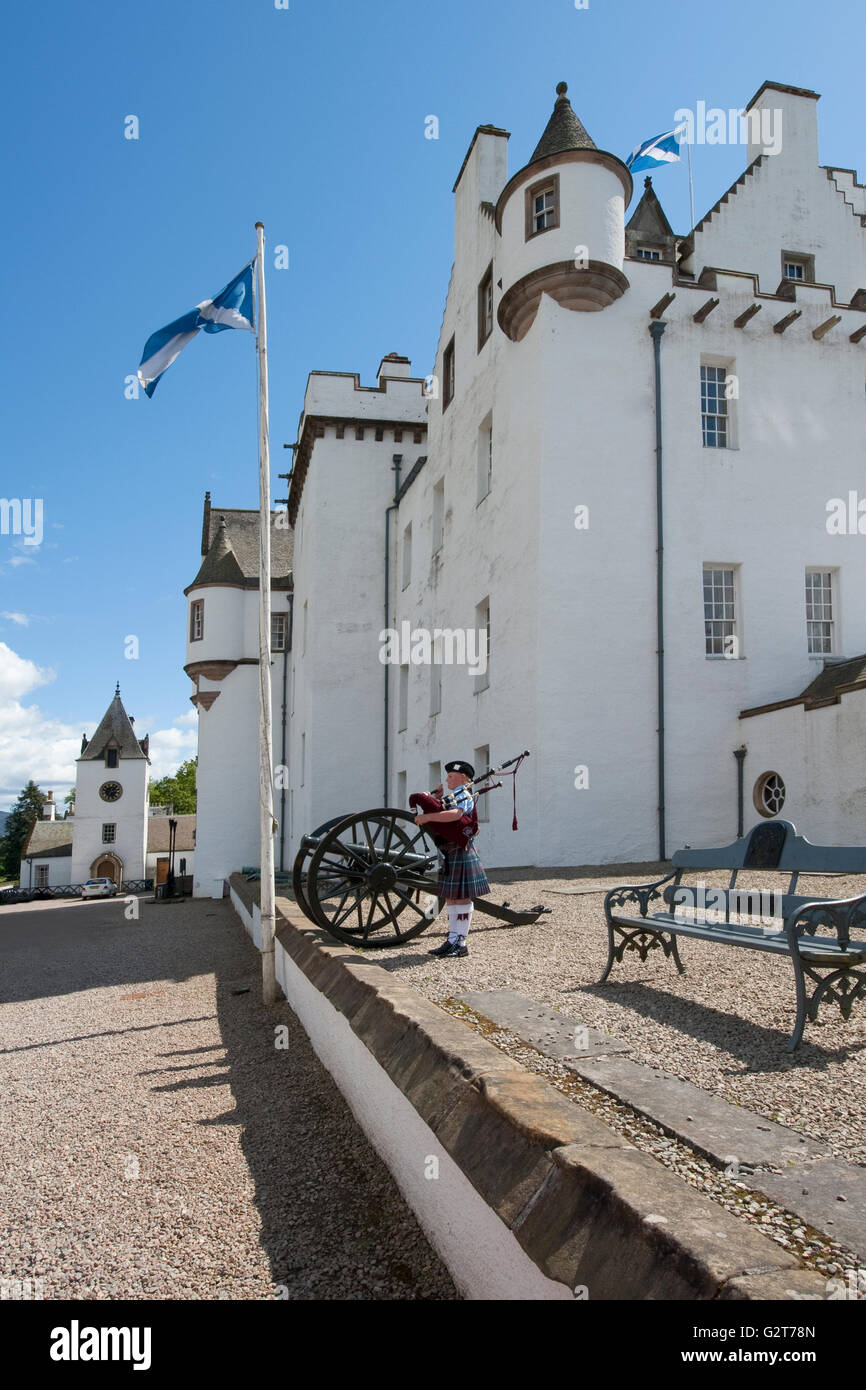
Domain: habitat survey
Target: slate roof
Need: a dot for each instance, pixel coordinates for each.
(564, 131)
(157, 833)
(114, 728)
(836, 678)
(239, 546)
(825, 685)
(49, 839)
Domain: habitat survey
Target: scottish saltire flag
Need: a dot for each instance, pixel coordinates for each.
(231, 308)
(663, 149)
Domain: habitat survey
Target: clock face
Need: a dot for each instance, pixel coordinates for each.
(111, 791)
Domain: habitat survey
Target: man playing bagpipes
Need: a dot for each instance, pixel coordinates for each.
(454, 825)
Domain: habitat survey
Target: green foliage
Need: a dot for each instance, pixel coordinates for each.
(27, 810)
(177, 791)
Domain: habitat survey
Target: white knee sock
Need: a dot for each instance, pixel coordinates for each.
(453, 927)
(462, 918)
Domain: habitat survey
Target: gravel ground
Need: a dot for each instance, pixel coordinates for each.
(723, 1025)
(154, 1142)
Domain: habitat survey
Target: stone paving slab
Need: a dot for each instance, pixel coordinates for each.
(715, 1128)
(815, 1193)
(826, 1193)
(549, 1031)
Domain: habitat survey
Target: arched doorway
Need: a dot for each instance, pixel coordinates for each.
(108, 866)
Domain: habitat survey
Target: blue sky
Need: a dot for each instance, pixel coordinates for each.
(312, 119)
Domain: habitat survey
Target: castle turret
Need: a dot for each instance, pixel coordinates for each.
(562, 222)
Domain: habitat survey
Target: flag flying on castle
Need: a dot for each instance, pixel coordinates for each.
(662, 149)
(231, 308)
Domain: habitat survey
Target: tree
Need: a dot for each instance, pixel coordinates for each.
(177, 791)
(26, 811)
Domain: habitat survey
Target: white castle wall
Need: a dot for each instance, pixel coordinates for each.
(819, 756)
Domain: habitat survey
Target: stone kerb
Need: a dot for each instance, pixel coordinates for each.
(593, 1213)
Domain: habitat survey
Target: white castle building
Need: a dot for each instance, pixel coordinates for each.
(112, 833)
(636, 474)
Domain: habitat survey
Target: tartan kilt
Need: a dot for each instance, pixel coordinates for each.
(461, 874)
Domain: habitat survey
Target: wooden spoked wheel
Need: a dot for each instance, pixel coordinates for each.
(371, 879)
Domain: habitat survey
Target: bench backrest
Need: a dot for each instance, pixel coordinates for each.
(775, 844)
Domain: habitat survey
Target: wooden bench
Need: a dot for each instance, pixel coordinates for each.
(834, 961)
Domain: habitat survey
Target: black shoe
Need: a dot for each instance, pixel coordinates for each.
(444, 950)
(461, 949)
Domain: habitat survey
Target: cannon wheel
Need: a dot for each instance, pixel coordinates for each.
(301, 865)
(371, 880)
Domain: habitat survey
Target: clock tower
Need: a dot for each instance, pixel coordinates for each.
(111, 796)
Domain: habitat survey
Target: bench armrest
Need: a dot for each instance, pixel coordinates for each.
(641, 893)
(841, 916)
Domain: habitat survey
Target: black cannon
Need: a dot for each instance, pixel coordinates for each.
(370, 879)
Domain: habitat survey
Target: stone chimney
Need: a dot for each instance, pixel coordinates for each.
(49, 810)
(394, 365)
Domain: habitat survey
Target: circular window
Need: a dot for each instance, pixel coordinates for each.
(769, 794)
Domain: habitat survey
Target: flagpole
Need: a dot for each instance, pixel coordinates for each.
(691, 189)
(266, 774)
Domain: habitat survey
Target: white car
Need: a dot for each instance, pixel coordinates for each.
(98, 888)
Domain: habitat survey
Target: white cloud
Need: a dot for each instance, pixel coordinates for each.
(169, 748)
(22, 560)
(18, 675)
(21, 619)
(37, 745)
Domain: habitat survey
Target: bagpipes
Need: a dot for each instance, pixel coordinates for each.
(460, 832)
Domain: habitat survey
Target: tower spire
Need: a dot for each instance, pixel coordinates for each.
(563, 131)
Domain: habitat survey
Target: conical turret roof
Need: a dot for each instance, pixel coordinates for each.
(220, 565)
(564, 131)
(114, 730)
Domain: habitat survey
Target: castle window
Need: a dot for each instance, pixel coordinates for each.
(41, 876)
(648, 253)
(398, 436)
(438, 515)
(798, 267)
(196, 620)
(111, 757)
(436, 680)
(720, 612)
(714, 408)
(820, 626)
(482, 650)
(542, 206)
(448, 375)
(485, 307)
(403, 700)
(279, 631)
(380, 433)
(485, 458)
(359, 431)
(109, 834)
(407, 555)
(341, 431)
(769, 794)
(418, 437)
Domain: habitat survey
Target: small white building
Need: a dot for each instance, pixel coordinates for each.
(622, 484)
(111, 834)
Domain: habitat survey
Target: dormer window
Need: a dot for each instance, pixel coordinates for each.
(111, 757)
(648, 253)
(542, 206)
(798, 267)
